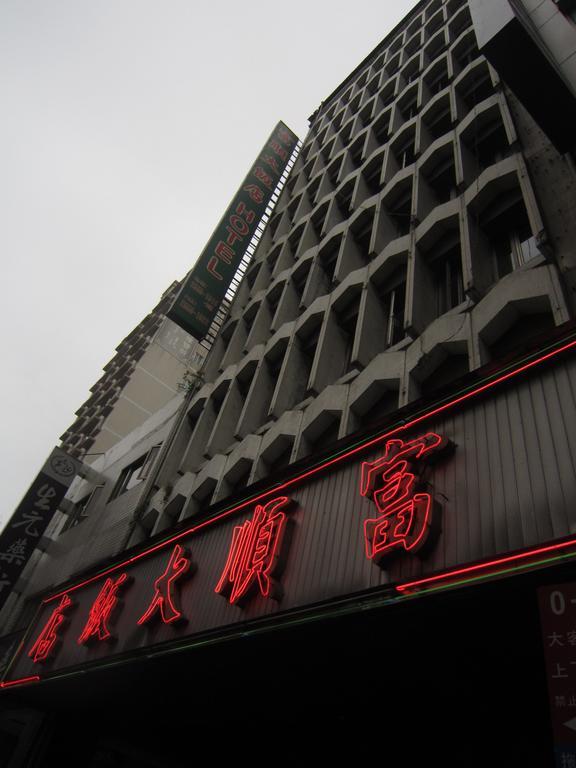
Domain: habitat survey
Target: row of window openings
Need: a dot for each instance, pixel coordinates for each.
(442, 180)
(464, 56)
(488, 144)
(410, 47)
(510, 249)
(408, 109)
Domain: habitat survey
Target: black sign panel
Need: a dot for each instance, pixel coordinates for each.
(29, 521)
(204, 289)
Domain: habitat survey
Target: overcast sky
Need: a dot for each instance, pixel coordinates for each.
(127, 126)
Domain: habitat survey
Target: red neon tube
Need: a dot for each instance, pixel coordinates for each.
(21, 681)
(479, 567)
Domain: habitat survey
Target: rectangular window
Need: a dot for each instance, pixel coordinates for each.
(513, 249)
(135, 473)
(449, 286)
(392, 294)
(394, 305)
(508, 229)
(347, 321)
(80, 512)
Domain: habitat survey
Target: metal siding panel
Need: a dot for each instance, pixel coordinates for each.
(472, 498)
(510, 483)
(521, 518)
(548, 458)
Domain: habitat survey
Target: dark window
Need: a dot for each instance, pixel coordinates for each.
(453, 368)
(357, 149)
(347, 321)
(372, 174)
(478, 89)
(344, 199)
(272, 261)
(253, 274)
(281, 461)
(381, 128)
(150, 459)
(308, 347)
(362, 233)
(490, 144)
(409, 109)
(80, 513)
(328, 258)
(512, 241)
(299, 279)
(440, 122)
(401, 211)
(384, 405)
(442, 179)
(273, 300)
(329, 436)
(521, 335)
(467, 53)
(393, 299)
(129, 478)
(448, 284)
(240, 483)
(405, 153)
(440, 82)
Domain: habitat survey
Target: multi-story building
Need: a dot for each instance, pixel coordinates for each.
(144, 375)
(402, 341)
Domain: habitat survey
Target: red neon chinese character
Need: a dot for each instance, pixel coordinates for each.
(241, 210)
(46, 640)
(254, 192)
(271, 161)
(97, 624)
(262, 176)
(285, 137)
(280, 151)
(254, 555)
(404, 515)
(163, 600)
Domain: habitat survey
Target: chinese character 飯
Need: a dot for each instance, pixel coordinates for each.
(101, 611)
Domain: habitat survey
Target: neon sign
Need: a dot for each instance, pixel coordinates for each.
(102, 609)
(163, 600)
(246, 560)
(46, 641)
(254, 555)
(404, 509)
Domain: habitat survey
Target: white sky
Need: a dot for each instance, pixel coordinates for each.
(127, 126)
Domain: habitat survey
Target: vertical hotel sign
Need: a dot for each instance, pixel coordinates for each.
(205, 286)
(28, 523)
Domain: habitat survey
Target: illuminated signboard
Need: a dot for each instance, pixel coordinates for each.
(205, 286)
(397, 512)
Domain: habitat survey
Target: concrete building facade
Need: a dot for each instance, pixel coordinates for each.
(418, 262)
